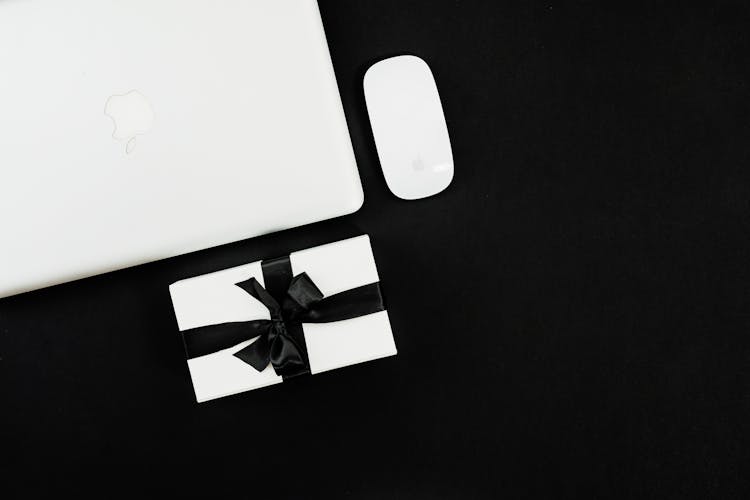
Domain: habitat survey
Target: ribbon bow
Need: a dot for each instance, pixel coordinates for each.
(280, 340)
(275, 345)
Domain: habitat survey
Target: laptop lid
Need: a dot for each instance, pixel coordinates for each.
(137, 130)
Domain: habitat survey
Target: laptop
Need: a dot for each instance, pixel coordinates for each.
(137, 130)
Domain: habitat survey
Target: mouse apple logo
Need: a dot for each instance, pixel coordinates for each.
(418, 164)
(132, 116)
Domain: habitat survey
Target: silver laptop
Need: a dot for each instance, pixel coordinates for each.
(135, 130)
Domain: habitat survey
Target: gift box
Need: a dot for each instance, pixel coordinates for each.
(258, 324)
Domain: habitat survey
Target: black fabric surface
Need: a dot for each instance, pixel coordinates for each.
(572, 313)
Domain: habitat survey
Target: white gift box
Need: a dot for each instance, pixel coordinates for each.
(214, 298)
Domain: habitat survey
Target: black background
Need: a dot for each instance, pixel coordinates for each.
(571, 313)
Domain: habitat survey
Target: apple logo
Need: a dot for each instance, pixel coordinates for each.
(132, 116)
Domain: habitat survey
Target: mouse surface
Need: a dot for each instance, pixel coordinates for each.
(409, 127)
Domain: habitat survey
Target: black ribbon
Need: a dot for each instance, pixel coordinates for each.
(291, 300)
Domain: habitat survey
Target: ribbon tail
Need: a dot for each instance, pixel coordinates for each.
(257, 354)
(257, 291)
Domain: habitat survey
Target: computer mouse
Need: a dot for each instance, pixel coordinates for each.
(409, 127)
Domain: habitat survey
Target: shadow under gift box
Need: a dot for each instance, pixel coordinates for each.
(214, 298)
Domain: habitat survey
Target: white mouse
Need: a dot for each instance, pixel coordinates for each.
(409, 127)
